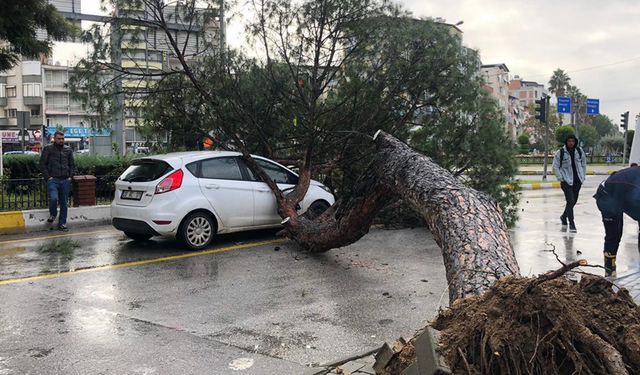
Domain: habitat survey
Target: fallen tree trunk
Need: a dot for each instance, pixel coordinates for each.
(499, 323)
(467, 224)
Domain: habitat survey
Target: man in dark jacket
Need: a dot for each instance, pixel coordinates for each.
(57, 166)
(619, 194)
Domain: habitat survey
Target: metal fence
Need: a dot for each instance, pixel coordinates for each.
(31, 193)
(591, 159)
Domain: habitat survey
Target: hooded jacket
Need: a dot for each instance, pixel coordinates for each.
(562, 168)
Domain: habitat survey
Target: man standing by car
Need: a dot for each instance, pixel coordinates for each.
(57, 166)
(570, 167)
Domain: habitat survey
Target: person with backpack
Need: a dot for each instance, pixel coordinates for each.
(617, 195)
(570, 167)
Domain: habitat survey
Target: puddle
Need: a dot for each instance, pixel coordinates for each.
(12, 251)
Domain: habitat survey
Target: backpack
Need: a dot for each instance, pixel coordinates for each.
(562, 154)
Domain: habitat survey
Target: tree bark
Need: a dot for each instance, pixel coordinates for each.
(467, 224)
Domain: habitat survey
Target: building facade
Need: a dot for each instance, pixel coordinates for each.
(21, 93)
(496, 78)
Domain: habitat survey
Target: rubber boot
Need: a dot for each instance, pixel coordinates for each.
(609, 265)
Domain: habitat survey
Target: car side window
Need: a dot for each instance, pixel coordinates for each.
(277, 173)
(220, 168)
(193, 168)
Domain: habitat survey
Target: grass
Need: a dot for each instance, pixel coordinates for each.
(65, 247)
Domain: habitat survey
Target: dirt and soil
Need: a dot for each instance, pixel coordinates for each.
(539, 326)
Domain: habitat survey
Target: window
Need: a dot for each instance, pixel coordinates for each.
(35, 111)
(11, 112)
(220, 168)
(277, 174)
(3, 91)
(11, 91)
(145, 170)
(31, 89)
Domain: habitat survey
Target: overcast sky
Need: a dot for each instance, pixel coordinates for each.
(596, 42)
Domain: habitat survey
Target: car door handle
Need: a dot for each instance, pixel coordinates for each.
(264, 190)
(212, 186)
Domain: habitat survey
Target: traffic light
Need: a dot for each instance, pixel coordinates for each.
(541, 108)
(624, 121)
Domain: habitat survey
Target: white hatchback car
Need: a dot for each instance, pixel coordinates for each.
(195, 195)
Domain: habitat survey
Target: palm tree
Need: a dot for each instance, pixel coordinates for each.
(559, 82)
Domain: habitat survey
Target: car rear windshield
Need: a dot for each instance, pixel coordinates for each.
(144, 170)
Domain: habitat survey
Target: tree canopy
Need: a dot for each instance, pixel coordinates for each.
(20, 22)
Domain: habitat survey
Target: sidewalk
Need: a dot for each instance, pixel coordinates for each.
(28, 221)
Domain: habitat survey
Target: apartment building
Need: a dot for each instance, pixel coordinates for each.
(527, 92)
(21, 92)
(497, 84)
(147, 50)
(39, 88)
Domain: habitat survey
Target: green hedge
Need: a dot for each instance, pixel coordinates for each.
(27, 166)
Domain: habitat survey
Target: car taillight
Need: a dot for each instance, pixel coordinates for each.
(171, 182)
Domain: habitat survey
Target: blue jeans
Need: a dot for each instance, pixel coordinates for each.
(58, 189)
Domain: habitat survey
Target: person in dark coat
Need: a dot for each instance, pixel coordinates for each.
(57, 166)
(618, 195)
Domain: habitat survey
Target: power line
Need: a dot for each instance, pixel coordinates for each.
(593, 67)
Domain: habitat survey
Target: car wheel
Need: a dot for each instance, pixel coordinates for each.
(316, 209)
(197, 230)
(138, 236)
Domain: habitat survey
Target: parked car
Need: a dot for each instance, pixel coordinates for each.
(29, 152)
(196, 195)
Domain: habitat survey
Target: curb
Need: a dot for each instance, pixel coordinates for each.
(17, 222)
(540, 186)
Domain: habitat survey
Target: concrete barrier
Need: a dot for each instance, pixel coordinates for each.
(14, 222)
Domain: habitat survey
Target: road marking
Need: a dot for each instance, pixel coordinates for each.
(141, 262)
(58, 236)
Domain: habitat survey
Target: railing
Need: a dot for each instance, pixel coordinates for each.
(31, 193)
(591, 159)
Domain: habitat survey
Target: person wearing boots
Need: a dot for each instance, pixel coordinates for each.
(570, 167)
(617, 195)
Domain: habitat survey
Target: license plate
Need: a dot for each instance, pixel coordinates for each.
(131, 194)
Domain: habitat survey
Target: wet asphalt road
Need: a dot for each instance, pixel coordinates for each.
(238, 308)
(112, 306)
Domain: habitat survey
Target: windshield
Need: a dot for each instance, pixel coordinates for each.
(145, 170)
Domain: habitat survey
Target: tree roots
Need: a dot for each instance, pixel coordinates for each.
(545, 325)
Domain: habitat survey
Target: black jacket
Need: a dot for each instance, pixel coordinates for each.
(57, 162)
(620, 193)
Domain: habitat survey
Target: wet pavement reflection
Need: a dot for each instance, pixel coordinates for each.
(538, 233)
(50, 252)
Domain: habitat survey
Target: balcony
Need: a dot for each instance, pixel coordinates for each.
(33, 100)
(37, 120)
(141, 64)
(5, 121)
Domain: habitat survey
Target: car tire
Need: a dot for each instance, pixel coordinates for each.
(316, 209)
(197, 230)
(138, 236)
